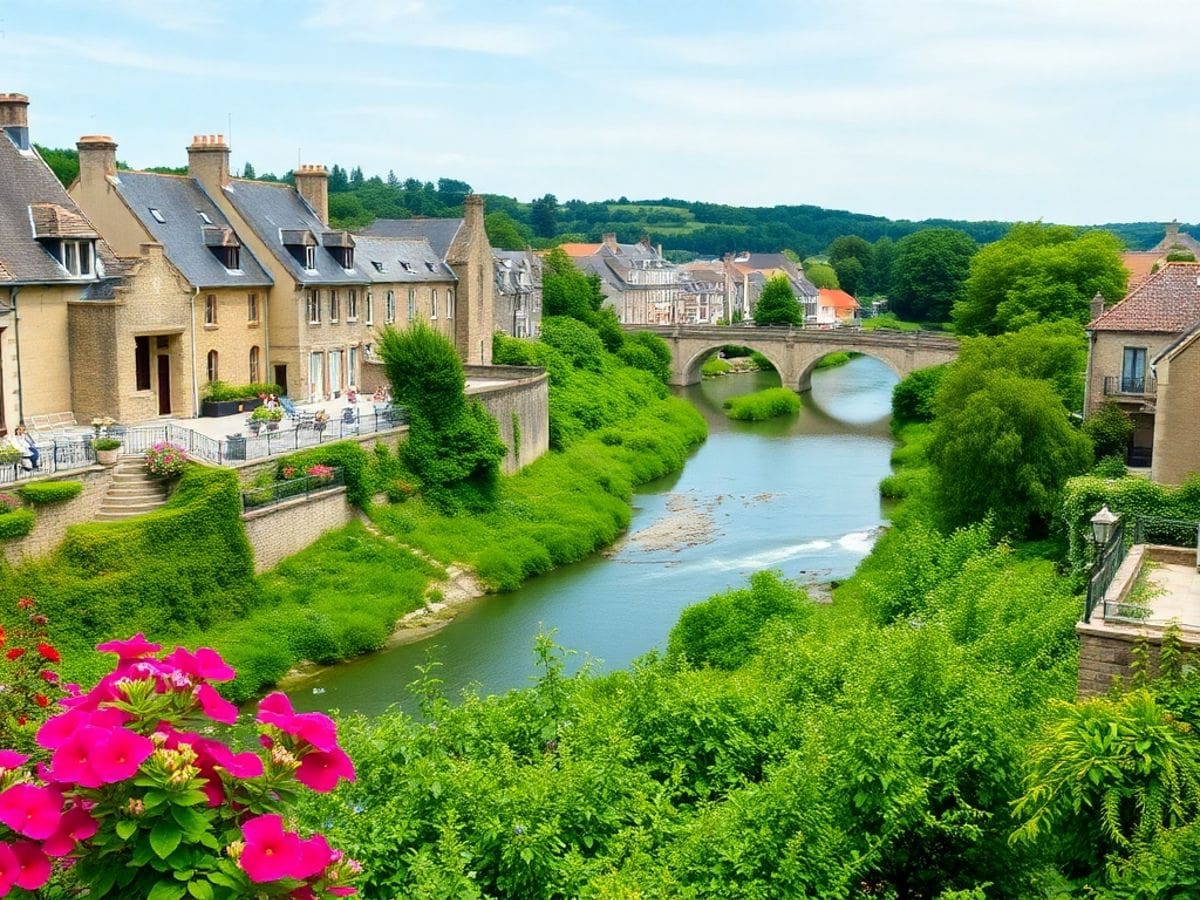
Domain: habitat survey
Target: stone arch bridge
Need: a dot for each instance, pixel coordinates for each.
(795, 352)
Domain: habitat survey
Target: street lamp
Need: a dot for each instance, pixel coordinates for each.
(1103, 524)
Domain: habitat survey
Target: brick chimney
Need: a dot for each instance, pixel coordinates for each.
(610, 240)
(97, 158)
(313, 184)
(208, 160)
(1172, 229)
(14, 118)
(473, 214)
(1097, 306)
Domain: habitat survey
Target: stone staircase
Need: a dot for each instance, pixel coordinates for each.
(132, 491)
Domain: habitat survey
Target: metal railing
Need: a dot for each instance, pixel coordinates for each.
(60, 454)
(1144, 385)
(1172, 532)
(304, 486)
(1108, 560)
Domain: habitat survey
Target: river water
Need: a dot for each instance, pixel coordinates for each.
(798, 494)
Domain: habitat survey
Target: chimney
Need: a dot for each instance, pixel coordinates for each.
(208, 161)
(1172, 229)
(473, 213)
(610, 240)
(14, 119)
(1097, 306)
(97, 158)
(313, 184)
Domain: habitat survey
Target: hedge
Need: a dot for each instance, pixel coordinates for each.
(219, 390)
(349, 456)
(50, 491)
(15, 524)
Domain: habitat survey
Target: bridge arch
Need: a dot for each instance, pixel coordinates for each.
(691, 368)
(807, 366)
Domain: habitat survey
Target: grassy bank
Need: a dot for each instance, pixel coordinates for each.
(834, 360)
(762, 405)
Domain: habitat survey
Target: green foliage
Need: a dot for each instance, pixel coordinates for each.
(833, 360)
(715, 366)
(638, 345)
(929, 273)
(50, 491)
(505, 233)
(16, 523)
(762, 362)
(763, 405)
(106, 443)
(219, 390)
(1039, 273)
(425, 372)
(777, 305)
(822, 275)
(578, 343)
(566, 291)
(1111, 466)
(1110, 429)
(349, 456)
(723, 630)
(1181, 256)
(913, 396)
(888, 322)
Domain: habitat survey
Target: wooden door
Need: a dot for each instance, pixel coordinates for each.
(281, 379)
(164, 384)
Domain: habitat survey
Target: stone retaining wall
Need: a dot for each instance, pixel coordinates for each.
(279, 531)
(52, 519)
(247, 470)
(523, 402)
(1106, 653)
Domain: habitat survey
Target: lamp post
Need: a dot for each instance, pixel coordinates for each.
(1104, 523)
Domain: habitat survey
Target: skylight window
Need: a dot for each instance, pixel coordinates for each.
(158, 217)
(204, 216)
(378, 265)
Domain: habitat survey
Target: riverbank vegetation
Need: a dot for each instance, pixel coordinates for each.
(763, 405)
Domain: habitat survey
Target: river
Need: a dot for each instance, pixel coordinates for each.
(798, 494)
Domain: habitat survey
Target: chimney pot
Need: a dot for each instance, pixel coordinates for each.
(208, 161)
(312, 181)
(14, 118)
(97, 157)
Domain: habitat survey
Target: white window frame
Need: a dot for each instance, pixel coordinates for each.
(335, 306)
(314, 307)
(449, 303)
(252, 309)
(352, 305)
(210, 310)
(370, 308)
(79, 258)
(433, 304)
(389, 309)
(412, 304)
(310, 258)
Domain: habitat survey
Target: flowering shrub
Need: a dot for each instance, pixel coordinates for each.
(165, 460)
(8, 503)
(324, 473)
(28, 681)
(133, 801)
(288, 472)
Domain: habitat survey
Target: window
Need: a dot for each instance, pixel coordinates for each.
(231, 258)
(352, 306)
(310, 258)
(77, 257)
(433, 304)
(449, 303)
(316, 375)
(213, 371)
(347, 255)
(1133, 371)
(254, 367)
(334, 306)
(412, 303)
(158, 217)
(141, 363)
(210, 309)
(352, 366)
(335, 371)
(201, 213)
(314, 309)
(389, 311)
(252, 308)
(370, 308)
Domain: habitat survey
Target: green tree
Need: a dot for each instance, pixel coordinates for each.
(1005, 452)
(543, 216)
(504, 232)
(1110, 429)
(338, 180)
(850, 256)
(63, 163)
(879, 273)
(851, 275)
(1039, 273)
(821, 275)
(566, 291)
(248, 172)
(778, 305)
(452, 192)
(928, 274)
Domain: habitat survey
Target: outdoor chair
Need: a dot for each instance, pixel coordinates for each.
(349, 421)
(289, 408)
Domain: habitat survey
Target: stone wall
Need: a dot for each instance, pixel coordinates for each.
(1176, 453)
(391, 439)
(279, 531)
(50, 526)
(1106, 358)
(1106, 653)
(525, 400)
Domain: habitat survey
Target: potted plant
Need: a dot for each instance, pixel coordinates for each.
(107, 450)
(320, 420)
(270, 416)
(165, 460)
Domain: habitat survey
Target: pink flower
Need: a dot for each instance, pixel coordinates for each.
(276, 709)
(76, 825)
(10, 868)
(11, 759)
(239, 765)
(205, 663)
(315, 855)
(33, 869)
(120, 755)
(215, 706)
(271, 853)
(135, 647)
(59, 729)
(31, 810)
(321, 771)
(48, 676)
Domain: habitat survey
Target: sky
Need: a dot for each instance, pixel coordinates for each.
(1076, 111)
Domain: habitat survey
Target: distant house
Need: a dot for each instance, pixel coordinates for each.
(836, 307)
(518, 292)
(638, 283)
(1127, 342)
(749, 272)
(702, 294)
(1141, 264)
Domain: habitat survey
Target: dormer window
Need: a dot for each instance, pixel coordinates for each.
(378, 265)
(310, 258)
(347, 257)
(158, 217)
(232, 258)
(78, 257)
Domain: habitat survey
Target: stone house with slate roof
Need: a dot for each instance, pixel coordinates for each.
(194, 311)
(518, 292)
(1128, 341)
(638, 283)
(462, 246)
(51, 257)
(749, 274)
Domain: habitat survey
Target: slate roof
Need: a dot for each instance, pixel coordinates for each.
(185, 236)
(400, 260)
(1168, 301)
(275, 209)
(30, 193)
(509, 265)
(440, 233)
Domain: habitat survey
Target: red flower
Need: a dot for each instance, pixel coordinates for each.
(48, 676)
(25, 603)
(49, 653)
(3, 636)
(15, 653)
(42, 700)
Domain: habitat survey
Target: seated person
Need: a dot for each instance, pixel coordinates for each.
(23, 441)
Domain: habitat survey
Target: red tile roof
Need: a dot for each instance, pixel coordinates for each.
(580, 249)
(1168, 301)
(1138, 264)
(828, 297)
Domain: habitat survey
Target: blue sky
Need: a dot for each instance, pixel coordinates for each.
(1080, 111)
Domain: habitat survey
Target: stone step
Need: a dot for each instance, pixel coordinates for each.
(133, 476)
(141, 503)
(148, 493)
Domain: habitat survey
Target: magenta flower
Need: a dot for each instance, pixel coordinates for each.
(215, 706)
(76, 825)
(33, 868)
(205, 663)
(315, 855)
(72, 760)
(57, 730)
(271, 853)
(11, 759)
(118, 757)
(239, 765)
(10, 868)
(135, 647)
(316, 728)
(276, 709)
(321, 771)
(31, 811)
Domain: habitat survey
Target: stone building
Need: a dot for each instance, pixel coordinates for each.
(462, 246)
(518, 292)
(749, 272)
(51, 256)
(639, 284)
(1124, 343)
(192, 309)
(1177, 409)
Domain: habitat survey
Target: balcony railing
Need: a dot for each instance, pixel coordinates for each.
(1141, 385)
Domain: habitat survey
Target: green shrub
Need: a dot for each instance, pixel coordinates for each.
(833, 360)
(219, 391)
(763, 405)
(912, 397)
(15, 524)
(349, 456)
(641, 342)
(9, 454)
(50, 491)
(762, 362)
(715, 366)
(1110, 429)
(106, 443)
(1111, 466)
(580, 344)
